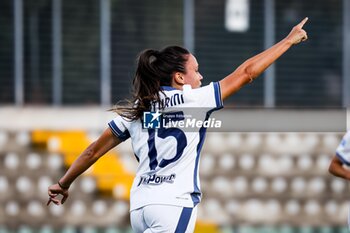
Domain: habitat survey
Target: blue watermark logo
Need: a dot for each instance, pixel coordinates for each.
(151, 120)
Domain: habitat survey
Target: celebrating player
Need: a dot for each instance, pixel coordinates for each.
(166, 189)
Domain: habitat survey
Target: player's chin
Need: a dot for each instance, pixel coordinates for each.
(198, 85)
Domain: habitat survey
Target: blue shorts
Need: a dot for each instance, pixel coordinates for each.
(163, 218)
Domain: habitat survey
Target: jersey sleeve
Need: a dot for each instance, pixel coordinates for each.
(343, 149)
(207, 96)
(119, 127)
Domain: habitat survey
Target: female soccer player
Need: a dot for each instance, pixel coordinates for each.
(166, 188)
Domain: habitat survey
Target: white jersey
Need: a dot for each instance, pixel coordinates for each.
(169, 157)
(343, 150)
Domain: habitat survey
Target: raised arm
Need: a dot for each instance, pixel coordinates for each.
(336, 168)
(89, 156)
(254, 66)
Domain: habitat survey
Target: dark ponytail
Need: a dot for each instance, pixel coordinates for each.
(154, 69)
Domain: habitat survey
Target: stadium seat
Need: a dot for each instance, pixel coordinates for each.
(43, 183)
(222, 186)
(298, 185)
(304, 162)
(25, 187)
(273, 209)
(310, 142)
(292, 144)
(207, 164)
(253, 141)
(33, 161)
(240, 185)
(99, 207)
(226, 162)
(274, 143)
(36, 210)
(253, 211)
(279, 185)
(213, 211)
(78, 208)
(23, 138)
(215, 143)
(330, 142)
(120, 209)
(88, 184)
(119, 191)
(234, 142)
(246, 162)
(57, 210)
(312, 208)
(322, 162)
(129, 161)
(285, 164)
(292, 207)
(338, 185)
(267, 164)
(331, 208)
(12, 208)
(259, 185)
(54, 162)
(233, 208)
(11, 161)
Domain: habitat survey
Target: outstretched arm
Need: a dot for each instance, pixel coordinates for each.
(89, 156)
(336, 168)
(254, 66)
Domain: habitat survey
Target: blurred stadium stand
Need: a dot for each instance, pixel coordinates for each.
(246, 182)
(53, 59)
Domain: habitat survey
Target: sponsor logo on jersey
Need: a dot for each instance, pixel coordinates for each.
(156, 179)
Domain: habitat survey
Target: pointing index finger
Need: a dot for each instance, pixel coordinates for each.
(301, 24)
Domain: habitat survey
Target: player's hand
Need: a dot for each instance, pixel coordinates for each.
(298, 34)
(54, 191)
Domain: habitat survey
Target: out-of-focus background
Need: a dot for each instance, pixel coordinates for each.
(63, 64)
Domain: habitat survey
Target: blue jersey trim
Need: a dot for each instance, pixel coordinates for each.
(168, 88)
(342, 159)
(184, 220)
(117, 132)
(217, 91)
(196, 194)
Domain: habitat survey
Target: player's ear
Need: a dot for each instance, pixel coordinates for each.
(178, 78)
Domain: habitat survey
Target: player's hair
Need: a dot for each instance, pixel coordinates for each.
(154, 70)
